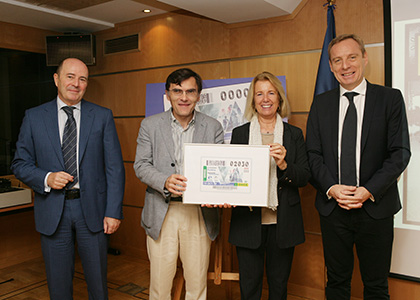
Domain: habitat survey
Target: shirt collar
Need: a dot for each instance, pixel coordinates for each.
(360, 89)
(174, 120)
(61, 104)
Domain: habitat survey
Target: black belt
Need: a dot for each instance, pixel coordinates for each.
(177, 199)
(72, 194)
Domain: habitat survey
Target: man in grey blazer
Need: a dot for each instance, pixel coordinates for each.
(174, 229)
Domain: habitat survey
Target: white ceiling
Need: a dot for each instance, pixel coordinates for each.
(234, 11)
(50, 15)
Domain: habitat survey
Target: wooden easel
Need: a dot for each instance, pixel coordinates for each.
(217, 275)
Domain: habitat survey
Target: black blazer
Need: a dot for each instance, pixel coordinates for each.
(245, 226)
(385, 148)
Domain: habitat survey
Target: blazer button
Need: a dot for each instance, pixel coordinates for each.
(172, 165)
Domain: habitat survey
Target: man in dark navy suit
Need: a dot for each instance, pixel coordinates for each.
(68, 152)
(357, 180)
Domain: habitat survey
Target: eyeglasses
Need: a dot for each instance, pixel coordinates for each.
(188, 93)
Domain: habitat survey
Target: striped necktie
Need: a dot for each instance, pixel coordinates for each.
(69, 146)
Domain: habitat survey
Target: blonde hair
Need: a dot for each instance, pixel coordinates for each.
(284, 107)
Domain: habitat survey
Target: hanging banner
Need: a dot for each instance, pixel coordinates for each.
(222, 99)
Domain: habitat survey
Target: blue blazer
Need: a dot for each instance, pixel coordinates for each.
(101, 169)
(385, 148)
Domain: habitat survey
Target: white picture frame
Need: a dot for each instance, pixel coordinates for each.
(233, 174)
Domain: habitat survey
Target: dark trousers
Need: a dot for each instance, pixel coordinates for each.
(278, 264)
(343, 229)
(58, 251)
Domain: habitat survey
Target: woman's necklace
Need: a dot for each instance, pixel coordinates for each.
(267, 128)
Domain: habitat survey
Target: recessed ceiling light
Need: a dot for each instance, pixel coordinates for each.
(146, 11)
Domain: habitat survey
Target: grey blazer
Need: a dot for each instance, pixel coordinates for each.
(155, 162)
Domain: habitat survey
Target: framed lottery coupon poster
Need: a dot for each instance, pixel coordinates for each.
(233, 174)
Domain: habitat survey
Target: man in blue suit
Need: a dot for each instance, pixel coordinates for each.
(78, 196)
(357, 180)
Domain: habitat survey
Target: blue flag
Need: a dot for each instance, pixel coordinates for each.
(325, 80)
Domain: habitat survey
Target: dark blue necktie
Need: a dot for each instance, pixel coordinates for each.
(69, 146)
(348, 143)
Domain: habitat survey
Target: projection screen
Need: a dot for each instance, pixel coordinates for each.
(402, 67)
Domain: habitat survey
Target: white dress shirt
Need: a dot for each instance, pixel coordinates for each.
(359, 102)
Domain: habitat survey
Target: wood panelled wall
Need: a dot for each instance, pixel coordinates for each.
(23, 38)
(287, 46)
(19, 239)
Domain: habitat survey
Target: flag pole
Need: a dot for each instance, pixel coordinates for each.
(325, 80)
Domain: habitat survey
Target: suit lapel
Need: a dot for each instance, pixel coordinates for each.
(286, 137)
(166, 132)
(335, 105)
(370, 101)
(86, 120)
(200, 128)
(51, 127)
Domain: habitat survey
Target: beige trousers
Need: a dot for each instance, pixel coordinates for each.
(183, 233)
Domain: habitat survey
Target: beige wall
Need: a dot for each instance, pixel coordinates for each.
(287, 46)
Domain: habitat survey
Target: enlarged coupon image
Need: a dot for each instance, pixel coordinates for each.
(226, 174)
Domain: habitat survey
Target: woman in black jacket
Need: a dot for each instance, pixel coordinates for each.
(270, 234)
